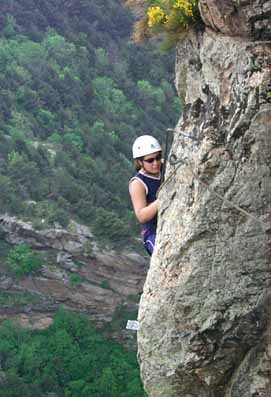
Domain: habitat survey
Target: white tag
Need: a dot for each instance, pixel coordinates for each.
(132, 325)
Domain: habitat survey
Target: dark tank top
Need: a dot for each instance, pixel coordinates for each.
(152, 185)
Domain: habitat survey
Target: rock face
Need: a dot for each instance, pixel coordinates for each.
(95, 283)
(205, 324)
(248, 19)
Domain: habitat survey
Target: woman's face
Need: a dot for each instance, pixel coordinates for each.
(152, 163)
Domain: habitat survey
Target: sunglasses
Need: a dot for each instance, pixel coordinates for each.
(152, 159)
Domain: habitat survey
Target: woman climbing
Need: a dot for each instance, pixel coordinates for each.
(147, 154)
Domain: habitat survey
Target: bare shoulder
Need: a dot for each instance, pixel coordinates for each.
(137, 185)
(138, 194)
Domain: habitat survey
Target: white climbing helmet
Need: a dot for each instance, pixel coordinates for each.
(145, 144)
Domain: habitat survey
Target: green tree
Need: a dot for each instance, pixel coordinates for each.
(102, 63)
(9, 200)
(152, 96)
(108, 385)
(9, 29)
(109, 98)
(70, 358)
(74, 95)
(22, 261)
(108, 226)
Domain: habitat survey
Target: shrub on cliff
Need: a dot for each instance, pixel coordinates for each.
(171, 18)
(22, 261)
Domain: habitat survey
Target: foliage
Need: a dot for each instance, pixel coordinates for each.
(105, 284)
(4, 246)
(172, 18)
(70, 358)
(109, 226)
(74, 95)
(89, 248)
(171, 14)
(18, 298)
(75, 279)
(121, 316)
(22, 261)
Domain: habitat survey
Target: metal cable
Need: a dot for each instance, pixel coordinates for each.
(207, 186)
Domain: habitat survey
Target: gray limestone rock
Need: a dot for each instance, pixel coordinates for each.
(205, 325)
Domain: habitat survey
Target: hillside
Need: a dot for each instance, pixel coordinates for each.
(75, 92)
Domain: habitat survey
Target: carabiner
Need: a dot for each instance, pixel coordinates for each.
(173, 160)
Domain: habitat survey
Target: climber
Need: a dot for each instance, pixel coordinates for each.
(147, 154)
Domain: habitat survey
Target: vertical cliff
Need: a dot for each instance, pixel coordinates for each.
(205, 328)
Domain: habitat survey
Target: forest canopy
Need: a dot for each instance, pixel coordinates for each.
(70, 358)
(75, 92)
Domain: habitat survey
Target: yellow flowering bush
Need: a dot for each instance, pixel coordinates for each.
(155, 16)
(169, 17)
(184, 5)
(171, 14)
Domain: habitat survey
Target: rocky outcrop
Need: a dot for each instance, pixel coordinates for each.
(238, 18)
(76, 274)
(205, 324)
(75, 240)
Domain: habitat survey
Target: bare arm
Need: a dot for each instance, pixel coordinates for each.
(143, 211)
